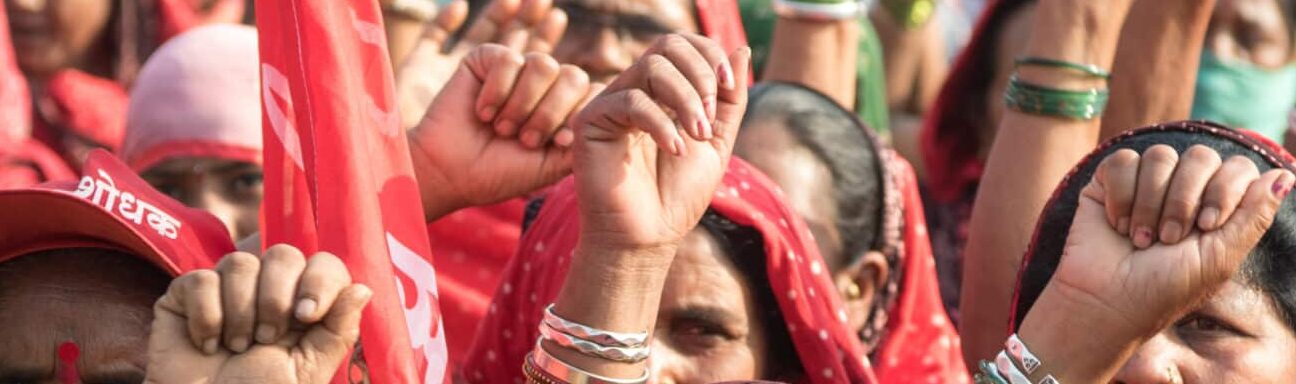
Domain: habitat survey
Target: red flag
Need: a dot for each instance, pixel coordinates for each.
(15, 101)
(339, 177)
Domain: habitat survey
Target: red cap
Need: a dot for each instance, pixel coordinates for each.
(113, 208)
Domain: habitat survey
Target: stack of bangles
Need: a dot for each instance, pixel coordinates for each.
(1014, 365)
(1035, 99)
(543, 368)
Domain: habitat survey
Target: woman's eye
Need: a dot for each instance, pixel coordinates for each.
(248, 183)
(1206, 326)
(700, 337)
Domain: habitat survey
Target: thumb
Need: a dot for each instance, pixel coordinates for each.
(330, 340)
(1224, 249)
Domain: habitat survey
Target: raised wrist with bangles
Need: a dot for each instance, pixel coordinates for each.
(1037, 99)
(1014, 365)
(541, 367)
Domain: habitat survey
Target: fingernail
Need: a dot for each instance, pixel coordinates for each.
(1122, 225)
(1282, 186)
(506, 128)
(677, 146)
(306, 308)
(1209, 216)
(265, 334)
(1143, 237)
(209, 346)
(1170, 232)
(709, 103)
(564, 138)
(487, 114)
(704, 128)
(726, 75)
(531, 139)
(239, 344)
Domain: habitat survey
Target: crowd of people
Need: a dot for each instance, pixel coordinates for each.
(668, 191)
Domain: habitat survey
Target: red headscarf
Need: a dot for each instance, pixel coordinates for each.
(197, 96)
(829, 351)
(951, 133)
(920, 344)
(473, 245)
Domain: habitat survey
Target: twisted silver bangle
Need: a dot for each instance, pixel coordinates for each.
(595, 335)
(618, 354)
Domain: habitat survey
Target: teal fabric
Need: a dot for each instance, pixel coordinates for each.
(1241, 95)
(870, 91)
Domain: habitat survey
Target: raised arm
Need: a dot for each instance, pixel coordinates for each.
(1158, 56)
(833, 43)
(1031, 154)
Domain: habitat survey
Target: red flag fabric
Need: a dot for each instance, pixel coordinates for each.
(339, 178)
(15, 101)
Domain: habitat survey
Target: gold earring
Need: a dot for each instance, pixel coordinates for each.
(853, 291)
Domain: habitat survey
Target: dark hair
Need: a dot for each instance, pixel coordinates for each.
(746, 248)
(1270, 267)
(100, 260)
(952, 130)
(843, 144)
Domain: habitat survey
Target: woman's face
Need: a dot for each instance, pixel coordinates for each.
(1251, 30)
(708, 328)
(50, 35)
(230, 190)
(104, 308)
(604, 37)
(1237, 336)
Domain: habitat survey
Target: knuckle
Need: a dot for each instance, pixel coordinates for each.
(1201, 154)
(283, 255)
(239, 263)
(202, 279)
(542, 63)
(1160, 154)
(573, 74)
(1242, 163)
(273, 305)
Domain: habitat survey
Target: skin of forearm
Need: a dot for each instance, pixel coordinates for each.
(617, 290)
(902, 50)
(403, 34)
(834, 42)
(1061, 331)
(1156, 64)
(1030, 156)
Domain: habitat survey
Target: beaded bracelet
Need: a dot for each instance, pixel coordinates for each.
(1088, 69)
(1035, 99)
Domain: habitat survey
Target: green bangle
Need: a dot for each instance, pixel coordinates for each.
(910, 13)
(1035, 99)
(1088, 69)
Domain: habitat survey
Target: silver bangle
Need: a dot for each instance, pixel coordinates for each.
(618, 354)
(1018, 351)
(572, 375)
(598, 336)
(1009, 370)
(817, 11)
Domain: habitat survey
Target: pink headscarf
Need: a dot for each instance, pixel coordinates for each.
(198, 96)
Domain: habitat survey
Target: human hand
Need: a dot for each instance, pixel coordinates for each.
(1137, 286)
(280, 318)
(522, 25)
(641, 184)
(464, 151)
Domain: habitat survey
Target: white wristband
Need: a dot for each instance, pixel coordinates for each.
(815, 11)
